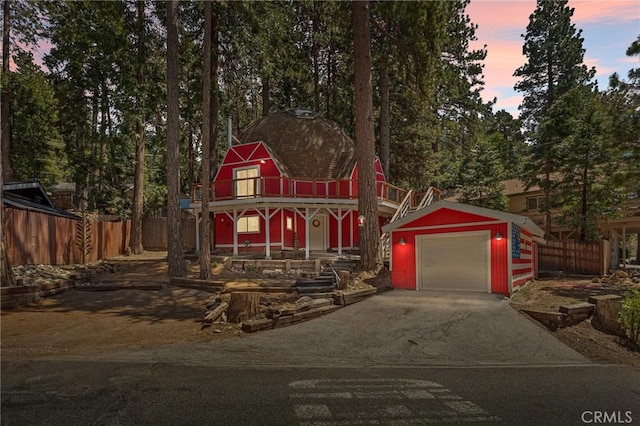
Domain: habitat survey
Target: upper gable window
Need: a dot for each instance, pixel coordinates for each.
(247, 183)
(535, 203)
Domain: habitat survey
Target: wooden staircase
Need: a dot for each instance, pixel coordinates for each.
(326, 282)
(404, 209)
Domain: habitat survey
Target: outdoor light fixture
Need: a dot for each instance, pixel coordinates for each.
(402, 241)
(498, 236)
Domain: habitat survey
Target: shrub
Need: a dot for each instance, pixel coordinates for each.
(629, 316)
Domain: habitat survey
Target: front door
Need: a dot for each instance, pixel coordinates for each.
(318, 232)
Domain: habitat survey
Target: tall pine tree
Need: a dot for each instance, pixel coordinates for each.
(553, 47)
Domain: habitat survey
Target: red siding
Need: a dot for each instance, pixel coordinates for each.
(272, 183)
(446, 216)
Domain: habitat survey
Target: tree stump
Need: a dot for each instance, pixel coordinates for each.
(243, 306)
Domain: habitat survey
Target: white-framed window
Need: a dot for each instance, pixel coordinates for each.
(535, 203)
(246, 183)
(289, 221)
(248, 224)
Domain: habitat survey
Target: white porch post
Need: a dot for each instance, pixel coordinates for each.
(306, 233)
(339, 231)
(339, 217)
(235, 232)
(267, 233)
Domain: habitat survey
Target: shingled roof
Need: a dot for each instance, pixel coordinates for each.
(311, 147)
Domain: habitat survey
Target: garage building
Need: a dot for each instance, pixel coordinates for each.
(453, 246)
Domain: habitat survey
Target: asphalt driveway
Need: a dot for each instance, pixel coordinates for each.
(396, 328)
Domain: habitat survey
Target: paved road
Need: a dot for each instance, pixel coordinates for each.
(398, 358)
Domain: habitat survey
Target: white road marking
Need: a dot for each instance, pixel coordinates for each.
(375, 401)
(326, 395)
(418, 394)
(465, 407)
(312, 411)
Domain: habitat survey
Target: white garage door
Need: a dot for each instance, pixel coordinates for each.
(454, 261)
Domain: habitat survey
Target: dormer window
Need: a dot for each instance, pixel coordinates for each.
(247, 183)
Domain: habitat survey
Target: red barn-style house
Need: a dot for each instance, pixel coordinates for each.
(455, 246)
(291, 184)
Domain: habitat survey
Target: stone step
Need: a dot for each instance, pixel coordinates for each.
(315, 283)
(315, 290)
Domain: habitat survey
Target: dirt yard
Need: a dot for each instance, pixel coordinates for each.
(549, 294)
(80, 322)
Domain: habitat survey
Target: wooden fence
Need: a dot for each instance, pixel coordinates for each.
(38, 238)
(572, 257)
(154, 233)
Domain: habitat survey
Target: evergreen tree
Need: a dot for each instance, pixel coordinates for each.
(623, 102)
(205, 224)
(585, 189)
(175, 256)
(38, 149)
(480, 178)
(505, 135)
(554, 66)
(425, 62)
(365, 143)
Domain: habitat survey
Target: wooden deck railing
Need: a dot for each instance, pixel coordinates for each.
(282, 187)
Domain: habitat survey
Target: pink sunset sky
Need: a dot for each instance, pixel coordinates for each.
(608, 28)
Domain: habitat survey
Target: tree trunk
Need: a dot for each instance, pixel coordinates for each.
(205, 223)
(6, 102)
(215, 99)
(137, 209)
(385, 117)
(215, 109)
(547, 199)
(316, 60)
(175, 256)
(6, 273)
(265, 95)
(365, 144)
(243, 306)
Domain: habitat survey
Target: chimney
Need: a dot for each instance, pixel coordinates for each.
(229, 132)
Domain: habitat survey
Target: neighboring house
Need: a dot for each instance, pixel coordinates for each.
(529, 202)
(31, 196)
(63, 195)
(454, 246)
(292, 183)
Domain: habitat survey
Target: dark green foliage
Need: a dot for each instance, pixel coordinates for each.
(37, 147)
(553, 47)
(504, 134)
(629, 316)
(480, 178)
(586, 161)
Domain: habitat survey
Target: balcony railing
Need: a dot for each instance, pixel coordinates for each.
(282, 187)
